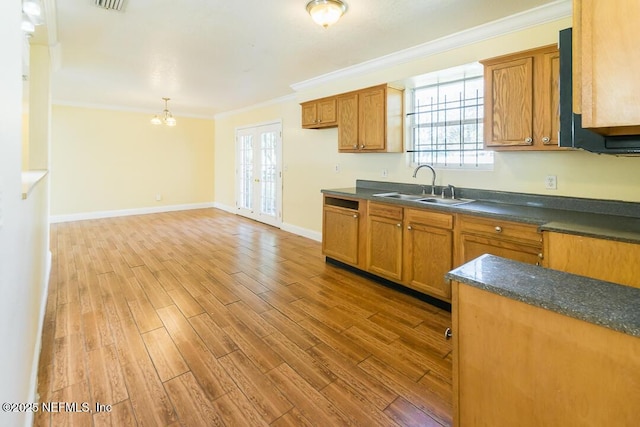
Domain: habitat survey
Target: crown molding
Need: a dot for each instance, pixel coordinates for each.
(268, 103)
(530, 18)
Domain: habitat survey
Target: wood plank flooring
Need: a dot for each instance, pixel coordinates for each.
(204, 318)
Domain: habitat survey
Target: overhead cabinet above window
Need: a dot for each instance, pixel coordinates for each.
(522, 100)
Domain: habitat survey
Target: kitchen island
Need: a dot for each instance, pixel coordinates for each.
(534, 346)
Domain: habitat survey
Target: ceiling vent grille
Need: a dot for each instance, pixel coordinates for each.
(110, 4)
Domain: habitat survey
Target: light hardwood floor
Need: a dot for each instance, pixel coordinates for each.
(204, 318)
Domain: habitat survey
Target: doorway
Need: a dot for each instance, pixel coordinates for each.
(259, 172)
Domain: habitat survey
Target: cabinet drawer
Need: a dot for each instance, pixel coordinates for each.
(385, 211)
(428, 218)
(496, 228)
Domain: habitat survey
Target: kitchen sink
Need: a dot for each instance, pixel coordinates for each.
(400, 196)
(423, 199)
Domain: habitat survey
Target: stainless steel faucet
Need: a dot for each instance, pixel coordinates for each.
(433, 182)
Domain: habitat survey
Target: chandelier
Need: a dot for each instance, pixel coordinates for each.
(165, 117)
(326, 12)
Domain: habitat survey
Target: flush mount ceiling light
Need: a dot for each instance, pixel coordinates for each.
(326, 12)
(165, 117)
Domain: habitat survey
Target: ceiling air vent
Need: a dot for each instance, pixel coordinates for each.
(110, 4)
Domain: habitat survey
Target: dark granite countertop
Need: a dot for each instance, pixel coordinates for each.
(606, 219)
(602, 303)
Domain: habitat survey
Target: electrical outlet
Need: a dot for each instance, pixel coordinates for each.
(158, 197)
(336, 169)
(551, 182)
(385, 173)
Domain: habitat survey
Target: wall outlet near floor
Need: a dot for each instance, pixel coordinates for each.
(158, 197)
(551, 182)
(336, 168)
(385, 173)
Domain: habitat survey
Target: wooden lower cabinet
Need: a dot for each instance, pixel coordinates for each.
(602, 259)
(428, 252)
(515, 364)
(341, 229)
(384, 240)
(477, 236)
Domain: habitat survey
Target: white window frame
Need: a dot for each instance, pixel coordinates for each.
(436, 80)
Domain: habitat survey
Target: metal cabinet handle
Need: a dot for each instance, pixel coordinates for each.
(540, 256)
(528, 140)
(362, 147)
(498, 229)
(447, 333)
(399, 225)
(355, 146)
(546, 139)
(409, 227)
(355, 215)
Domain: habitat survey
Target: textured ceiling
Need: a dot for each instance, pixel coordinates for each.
(213, 56)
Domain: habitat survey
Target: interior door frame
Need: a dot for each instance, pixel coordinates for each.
(277, 222)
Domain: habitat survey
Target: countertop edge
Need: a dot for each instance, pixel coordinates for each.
(601, 303)
(608, 226)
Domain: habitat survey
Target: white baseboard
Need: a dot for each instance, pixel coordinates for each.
(226, 208)
(33, 381)
(127, 212)
(304, 232)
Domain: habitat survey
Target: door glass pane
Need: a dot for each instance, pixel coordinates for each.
(268, 179)
(246, 171)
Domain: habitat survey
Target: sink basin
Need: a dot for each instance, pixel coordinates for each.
(401, 196)
(423, 199)
(436, 201)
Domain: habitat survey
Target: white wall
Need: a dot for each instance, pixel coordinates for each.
(105, 162)
(23, 234)
(310, 156)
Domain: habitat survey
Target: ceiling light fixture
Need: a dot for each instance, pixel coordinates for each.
(326, 12)
(165, 117)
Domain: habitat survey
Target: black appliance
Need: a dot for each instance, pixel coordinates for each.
(571, 132)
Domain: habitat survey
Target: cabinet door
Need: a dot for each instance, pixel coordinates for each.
(309, 114)
(340, 234)
(371, 119)
(327, 112)
(384, 247)
(472, 247)
(547, 94)
(428, 257)
(509, 103)
(610, 59)
(348, 122)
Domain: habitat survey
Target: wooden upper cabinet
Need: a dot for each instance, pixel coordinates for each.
(320, 113)
(605, 65)
(522, 100)
(370, 120)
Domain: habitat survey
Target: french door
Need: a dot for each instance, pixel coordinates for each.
(259, 173)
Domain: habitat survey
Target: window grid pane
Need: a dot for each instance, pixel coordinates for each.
(447, 124)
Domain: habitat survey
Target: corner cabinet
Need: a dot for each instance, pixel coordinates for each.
(521, 101)
(341, 229)
(371, 120)
(320, 113)
(602, 259)
(477, 236)
(605, 65)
